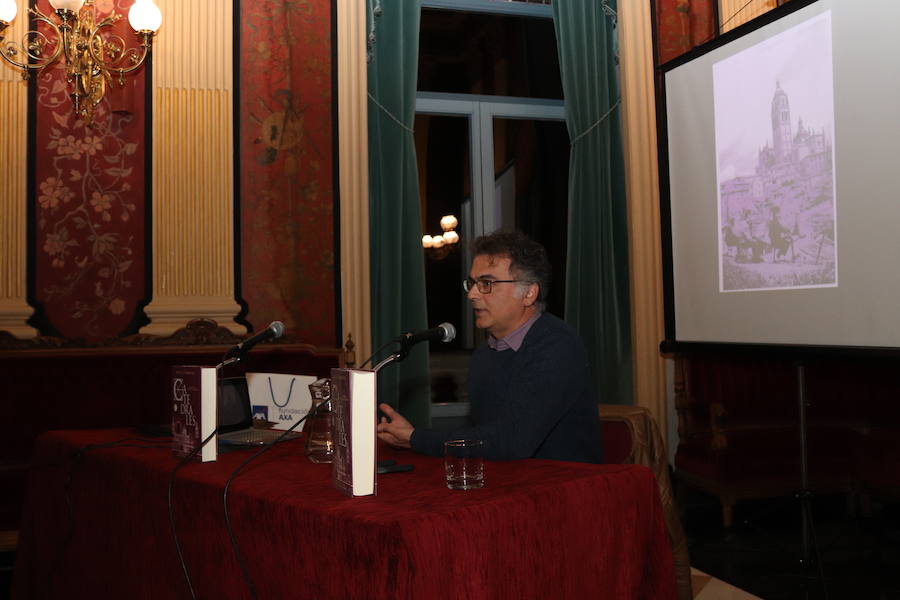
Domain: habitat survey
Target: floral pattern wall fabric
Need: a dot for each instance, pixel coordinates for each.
(287, 191)
(89, 192)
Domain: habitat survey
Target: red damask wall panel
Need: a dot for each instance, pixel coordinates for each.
(89, 194)
(287, 196)
(683, 24)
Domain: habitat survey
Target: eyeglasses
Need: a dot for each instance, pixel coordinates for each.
(484, 285)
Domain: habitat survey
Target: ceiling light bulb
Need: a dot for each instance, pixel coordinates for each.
(437, 241)
(145, 16)
(8, 10)
(451, 237)
(448, 222)
(427, 241)
(73, 5)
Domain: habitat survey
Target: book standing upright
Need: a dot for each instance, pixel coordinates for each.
(194, 411)
(353, 406)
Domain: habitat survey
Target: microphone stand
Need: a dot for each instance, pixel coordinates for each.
(228, 361)
(396, 356)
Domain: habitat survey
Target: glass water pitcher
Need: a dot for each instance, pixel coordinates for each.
(319, 444)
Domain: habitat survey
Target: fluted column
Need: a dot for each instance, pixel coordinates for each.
(193, 178)
(736, 12)
(14, 309)
(354, 174)
(642, 185)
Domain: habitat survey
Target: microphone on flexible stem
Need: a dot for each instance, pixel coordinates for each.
(445, 332)
(274, 330)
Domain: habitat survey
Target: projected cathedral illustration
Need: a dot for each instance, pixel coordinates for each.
(777, 225)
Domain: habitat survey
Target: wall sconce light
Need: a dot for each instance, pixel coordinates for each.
(90, 59)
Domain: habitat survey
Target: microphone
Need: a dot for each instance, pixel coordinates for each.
(445, 332)
(274, 330)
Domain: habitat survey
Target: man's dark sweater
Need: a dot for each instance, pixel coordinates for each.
(537, 402)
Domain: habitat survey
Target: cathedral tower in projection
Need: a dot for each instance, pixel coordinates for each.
(795, 155)
(781, 124)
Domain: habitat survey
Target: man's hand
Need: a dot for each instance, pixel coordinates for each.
(394, 429)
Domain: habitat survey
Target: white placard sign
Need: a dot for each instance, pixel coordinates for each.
(280, 398)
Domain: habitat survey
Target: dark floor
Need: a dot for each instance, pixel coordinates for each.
(7, 560)
(762, 553)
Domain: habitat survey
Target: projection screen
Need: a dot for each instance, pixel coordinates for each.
(780, 180)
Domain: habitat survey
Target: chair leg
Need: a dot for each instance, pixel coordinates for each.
(727, 512)
(9, 540)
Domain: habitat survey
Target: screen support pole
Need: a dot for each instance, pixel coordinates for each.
(807, 527)
(804, 495)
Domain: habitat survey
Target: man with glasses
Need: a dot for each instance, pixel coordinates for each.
(530, 385)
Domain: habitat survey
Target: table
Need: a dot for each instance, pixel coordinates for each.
(538, 529)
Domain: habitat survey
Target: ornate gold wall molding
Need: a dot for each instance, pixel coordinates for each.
(14, 309)
(354, 174)
(642, 184)
(736, 12)
(193, 175)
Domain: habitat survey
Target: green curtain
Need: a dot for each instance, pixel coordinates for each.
(597, 284)
(397, 260)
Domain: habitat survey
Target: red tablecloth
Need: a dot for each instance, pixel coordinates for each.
(538, 529)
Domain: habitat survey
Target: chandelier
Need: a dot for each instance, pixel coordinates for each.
(91, 60)
(441, 244)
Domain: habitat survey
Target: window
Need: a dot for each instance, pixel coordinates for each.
(492, 148)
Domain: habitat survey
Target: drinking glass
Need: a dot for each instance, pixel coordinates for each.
(464, 464)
